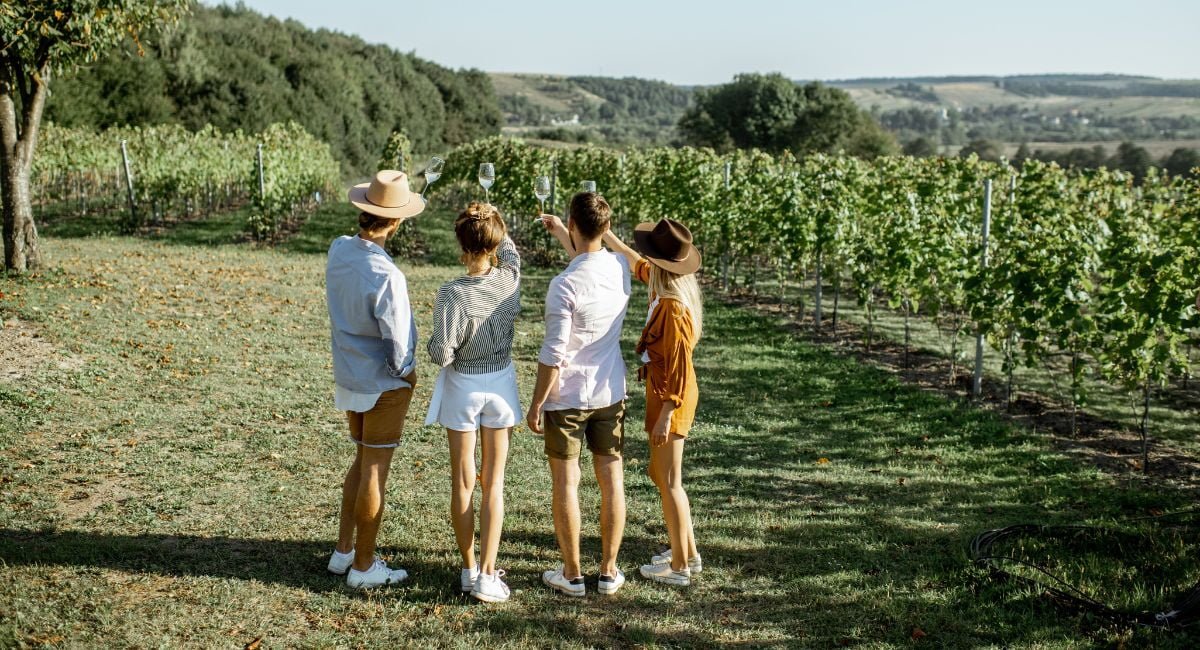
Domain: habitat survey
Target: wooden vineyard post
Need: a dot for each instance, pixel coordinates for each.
(129, 185)
(553, 184)
(725, 252)
(262, 184)
(977, 382)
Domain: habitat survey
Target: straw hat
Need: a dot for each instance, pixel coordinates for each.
(387, 196)
(668, 245)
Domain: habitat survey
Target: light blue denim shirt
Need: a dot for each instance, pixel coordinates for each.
(374, 335)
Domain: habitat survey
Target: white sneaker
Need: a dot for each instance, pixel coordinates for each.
(378, 575)
(339, 563)
(665, 574)
(609, 585)
(695, 563)
(558, 582)
(490, 588)
(468, 578)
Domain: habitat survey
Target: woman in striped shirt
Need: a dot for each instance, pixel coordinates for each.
(476, 389)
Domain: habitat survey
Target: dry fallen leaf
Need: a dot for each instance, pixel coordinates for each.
(822, 461)
(255, 644)
(918, 633)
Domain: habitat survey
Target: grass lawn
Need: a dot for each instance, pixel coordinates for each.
(170, 472)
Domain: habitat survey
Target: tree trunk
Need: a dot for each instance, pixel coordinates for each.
(17, 142)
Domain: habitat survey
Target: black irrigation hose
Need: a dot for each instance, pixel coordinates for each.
(1183, 613)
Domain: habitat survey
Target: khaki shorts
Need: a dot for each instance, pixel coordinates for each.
(603, 428)
(382, 426)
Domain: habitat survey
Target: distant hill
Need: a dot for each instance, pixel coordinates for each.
(611, 110)
(1048, 108)
(236, 69)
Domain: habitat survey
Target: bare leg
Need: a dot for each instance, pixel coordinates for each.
(462, 493)
(610, 475)
(668, 462)
(565, 497)
(349, 495)
(491, 506)
(368, 507)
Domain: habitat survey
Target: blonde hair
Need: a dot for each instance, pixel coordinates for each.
(684, 288)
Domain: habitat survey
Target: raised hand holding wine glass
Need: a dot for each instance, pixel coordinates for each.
(487, 176)
(433, 171)
(541, 189)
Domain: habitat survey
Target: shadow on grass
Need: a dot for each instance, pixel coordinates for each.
(294, 563)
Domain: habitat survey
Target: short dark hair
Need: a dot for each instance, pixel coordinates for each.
(373, 224)
(590, 214)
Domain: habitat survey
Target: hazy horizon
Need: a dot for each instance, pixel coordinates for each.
(703, 42)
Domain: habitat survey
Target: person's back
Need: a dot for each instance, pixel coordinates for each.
(589, 298)
(362, 284)
(580, 391)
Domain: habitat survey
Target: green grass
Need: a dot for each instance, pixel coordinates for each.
(179, 486)
(1173, 412)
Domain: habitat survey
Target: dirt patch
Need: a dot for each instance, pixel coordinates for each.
(1095, 441)
(82, 496)
(23, 352)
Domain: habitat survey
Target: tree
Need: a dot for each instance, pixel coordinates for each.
(39, 38)
(870, 141)
(1132, 159)
(773, 113)
(982, 147)
(233, 68)
(920, 147)
(1182, 162)
(1023, 153)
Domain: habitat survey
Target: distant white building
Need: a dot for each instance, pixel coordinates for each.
(574, 121)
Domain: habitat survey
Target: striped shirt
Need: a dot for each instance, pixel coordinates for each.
(473, 317)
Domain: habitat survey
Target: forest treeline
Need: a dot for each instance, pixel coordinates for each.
(234, 68)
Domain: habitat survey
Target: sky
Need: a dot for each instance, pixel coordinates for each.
(707, 42)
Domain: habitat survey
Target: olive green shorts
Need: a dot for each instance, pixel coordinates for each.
(603, 429)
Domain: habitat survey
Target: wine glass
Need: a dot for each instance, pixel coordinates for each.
(541, 189)
(433, 171)
(487, 176)
(587, 186)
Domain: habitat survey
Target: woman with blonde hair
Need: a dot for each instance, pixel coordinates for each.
(476, 389)
(667, 263)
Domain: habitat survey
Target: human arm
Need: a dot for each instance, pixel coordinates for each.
(615, 244)
(547, 377)
(660, 433)
(558, 230)
(508, 255)
(449, 329)
(393, 313)
(668, 333)
(553, 355)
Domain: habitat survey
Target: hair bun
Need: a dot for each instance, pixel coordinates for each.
(480, 211)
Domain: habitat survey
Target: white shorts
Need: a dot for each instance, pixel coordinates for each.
(466, 402)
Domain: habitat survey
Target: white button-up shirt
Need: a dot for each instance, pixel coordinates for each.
(374, 335)
(585, 310)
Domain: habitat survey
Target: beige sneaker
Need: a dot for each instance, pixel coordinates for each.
(695, 563)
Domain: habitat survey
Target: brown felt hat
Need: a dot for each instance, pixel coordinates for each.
(387, 196)
(668, 245)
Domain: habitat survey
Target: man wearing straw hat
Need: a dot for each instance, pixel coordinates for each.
(374, 367)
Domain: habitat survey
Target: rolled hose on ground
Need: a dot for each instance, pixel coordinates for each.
(1184, 612)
